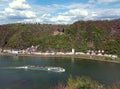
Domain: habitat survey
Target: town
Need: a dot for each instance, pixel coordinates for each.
(33, 50)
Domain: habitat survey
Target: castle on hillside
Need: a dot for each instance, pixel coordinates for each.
(58, 32)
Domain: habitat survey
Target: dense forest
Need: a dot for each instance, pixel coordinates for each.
(81, 35)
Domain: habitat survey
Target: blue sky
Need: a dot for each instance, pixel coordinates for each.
(57, 11)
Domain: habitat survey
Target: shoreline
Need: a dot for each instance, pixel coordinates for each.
(88, 57)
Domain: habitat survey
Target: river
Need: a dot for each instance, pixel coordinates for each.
(104, 72)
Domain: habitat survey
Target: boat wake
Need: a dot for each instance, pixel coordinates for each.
(42, 68)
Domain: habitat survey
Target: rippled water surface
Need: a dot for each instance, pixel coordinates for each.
(103, 72)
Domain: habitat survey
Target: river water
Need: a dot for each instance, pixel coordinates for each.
(106, 73)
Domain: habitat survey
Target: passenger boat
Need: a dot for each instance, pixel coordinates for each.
(45, 68)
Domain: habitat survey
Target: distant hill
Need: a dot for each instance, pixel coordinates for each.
(81, 35)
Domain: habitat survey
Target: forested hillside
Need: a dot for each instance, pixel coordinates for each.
(81, 35)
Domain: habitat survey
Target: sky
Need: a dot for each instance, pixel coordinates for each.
(57, 11)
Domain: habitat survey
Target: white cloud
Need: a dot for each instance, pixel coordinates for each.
(56, 7)
(28, 14)
(108, 13)
(73, 12)
(18, 10)
(107, 1)
(78, 12)
(66, 17)
(102, 1)
(9, 10)
(81, 14)
(19, 4)
(70, 16)
(21, 11)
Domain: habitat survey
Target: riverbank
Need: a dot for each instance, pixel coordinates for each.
(81, 56)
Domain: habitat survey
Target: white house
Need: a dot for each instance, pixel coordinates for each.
(7, 51)
(81, 53)
(14, 52)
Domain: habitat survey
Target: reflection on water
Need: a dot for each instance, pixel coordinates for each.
(103, 72)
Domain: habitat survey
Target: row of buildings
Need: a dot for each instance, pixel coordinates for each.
(33, 50)
(18, 51)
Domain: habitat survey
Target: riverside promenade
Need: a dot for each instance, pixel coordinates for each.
(92, 55)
